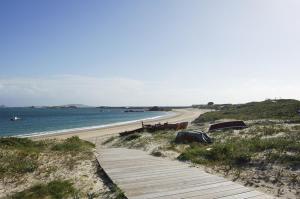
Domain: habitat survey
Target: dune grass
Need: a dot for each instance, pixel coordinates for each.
(237, 152)
(270, 109)
(19, 156)
(142, 140)
(73, 144)
(57, 189)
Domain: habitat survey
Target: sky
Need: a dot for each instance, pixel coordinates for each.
(144, 53)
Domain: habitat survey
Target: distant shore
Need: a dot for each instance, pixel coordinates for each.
(177, 115)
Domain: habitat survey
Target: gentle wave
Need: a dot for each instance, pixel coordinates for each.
(89, 127)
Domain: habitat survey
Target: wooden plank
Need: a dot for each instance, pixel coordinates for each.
(151, 173)
(158, 179)
(167, 188)
(169, 180)
(148, 167)
(183, 190)
(210, 193)
(142, 176)
(244, 195)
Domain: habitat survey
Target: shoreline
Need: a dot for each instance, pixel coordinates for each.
(89, 128)
(176, 115)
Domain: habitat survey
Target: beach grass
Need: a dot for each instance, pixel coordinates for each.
(241, 152)
(19, 156)
(56, 189)
(284, 109)
(73, 144)
(145, 139)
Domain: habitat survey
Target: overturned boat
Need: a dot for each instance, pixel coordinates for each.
(227, 125)
(157, 127)
(166, 126)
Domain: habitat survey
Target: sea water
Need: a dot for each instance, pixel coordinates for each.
(36, 121)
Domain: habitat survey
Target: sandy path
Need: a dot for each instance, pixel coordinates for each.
(180, 115)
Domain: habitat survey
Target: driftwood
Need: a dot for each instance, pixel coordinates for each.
(165, 126)
(192, 136)
(131, 132)
(157, 127)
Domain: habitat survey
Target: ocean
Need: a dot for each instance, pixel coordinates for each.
(36, 121)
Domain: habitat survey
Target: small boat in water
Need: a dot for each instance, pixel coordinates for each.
(15, 118)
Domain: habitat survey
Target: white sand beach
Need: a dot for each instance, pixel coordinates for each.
(179, 115)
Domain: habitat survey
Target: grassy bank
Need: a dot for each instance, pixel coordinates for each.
(269, 109)
(50, 169)
(246, 152)
(19, 156)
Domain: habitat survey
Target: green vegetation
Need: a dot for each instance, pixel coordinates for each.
(73, 144)
(18, 156)
(109, 140)
(23, 144)
(142, 140)
(132, 137)
(156, 108)
(57, 189)
(297, 128)
(238, 152)
(268, 130)
(21, 155)
(270, 109)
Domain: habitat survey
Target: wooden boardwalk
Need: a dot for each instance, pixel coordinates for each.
(143, 176)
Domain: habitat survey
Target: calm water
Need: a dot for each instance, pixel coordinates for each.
(45, 120)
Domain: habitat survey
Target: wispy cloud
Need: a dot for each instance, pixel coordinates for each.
(69, 89)
(65, 89)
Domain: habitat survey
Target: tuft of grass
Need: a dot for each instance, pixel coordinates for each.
(73, 144)
(132, 137)
(296, 128)
(57, 189)
(109, 140)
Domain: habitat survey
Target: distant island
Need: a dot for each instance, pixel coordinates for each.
(144, 108)
(68, 106)
(157, 108)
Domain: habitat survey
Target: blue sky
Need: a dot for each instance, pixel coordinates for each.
(158, 52)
